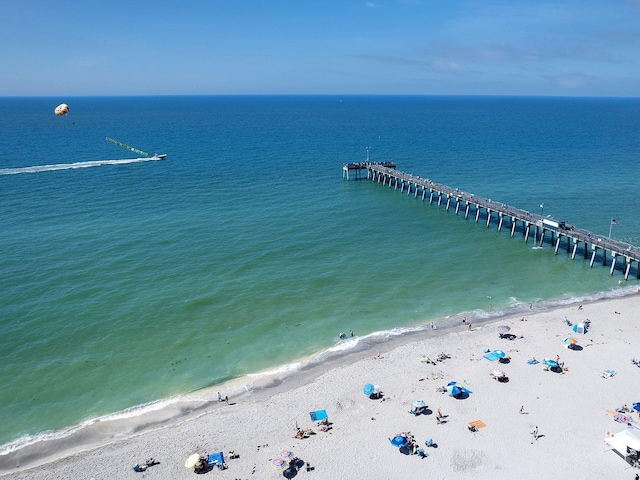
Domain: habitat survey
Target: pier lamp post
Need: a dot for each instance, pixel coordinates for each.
(368, 148)
(542, 210)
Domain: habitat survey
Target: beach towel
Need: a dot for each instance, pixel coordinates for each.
(491, 356)
(533, 362)
(477, 424)
(318, 415)
(622, 418)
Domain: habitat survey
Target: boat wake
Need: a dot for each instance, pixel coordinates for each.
(71, 166)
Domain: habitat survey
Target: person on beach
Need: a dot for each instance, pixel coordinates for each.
(522, 409)
(534, 434)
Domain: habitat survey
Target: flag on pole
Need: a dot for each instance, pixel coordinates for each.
(614, 222)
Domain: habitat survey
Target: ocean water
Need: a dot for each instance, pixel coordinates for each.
(126, 283)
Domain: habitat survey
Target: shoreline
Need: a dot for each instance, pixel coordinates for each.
(270, 391)
(159, 412)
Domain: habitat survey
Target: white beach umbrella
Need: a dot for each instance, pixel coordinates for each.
(192, 460)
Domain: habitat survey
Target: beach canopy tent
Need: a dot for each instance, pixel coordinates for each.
(215, 459)
(318, 415)
(399, 441)
(495, 355)
(580, 328)
(625, 443)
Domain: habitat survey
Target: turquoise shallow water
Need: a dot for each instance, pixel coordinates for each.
(245, 250)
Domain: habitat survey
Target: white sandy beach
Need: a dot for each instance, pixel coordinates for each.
(569, 409)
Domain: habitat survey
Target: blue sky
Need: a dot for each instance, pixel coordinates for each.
(435, 47)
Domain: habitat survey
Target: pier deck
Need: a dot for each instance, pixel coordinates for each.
(592, 246)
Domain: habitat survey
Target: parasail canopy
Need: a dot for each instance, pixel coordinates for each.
(61, 109)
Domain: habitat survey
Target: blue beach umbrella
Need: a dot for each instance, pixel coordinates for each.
(499, 353)
(550, 363)
(455, 389)
(368, 389)
(580, 328)
(399, 441)
(419, 404)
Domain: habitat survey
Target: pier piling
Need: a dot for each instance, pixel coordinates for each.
(383, 172)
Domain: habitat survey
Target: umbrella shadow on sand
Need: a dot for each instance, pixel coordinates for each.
(460, 396)
(406, 449)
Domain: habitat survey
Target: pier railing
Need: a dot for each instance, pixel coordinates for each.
(576, 238)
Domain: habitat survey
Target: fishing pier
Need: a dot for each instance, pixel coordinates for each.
(612, 253)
